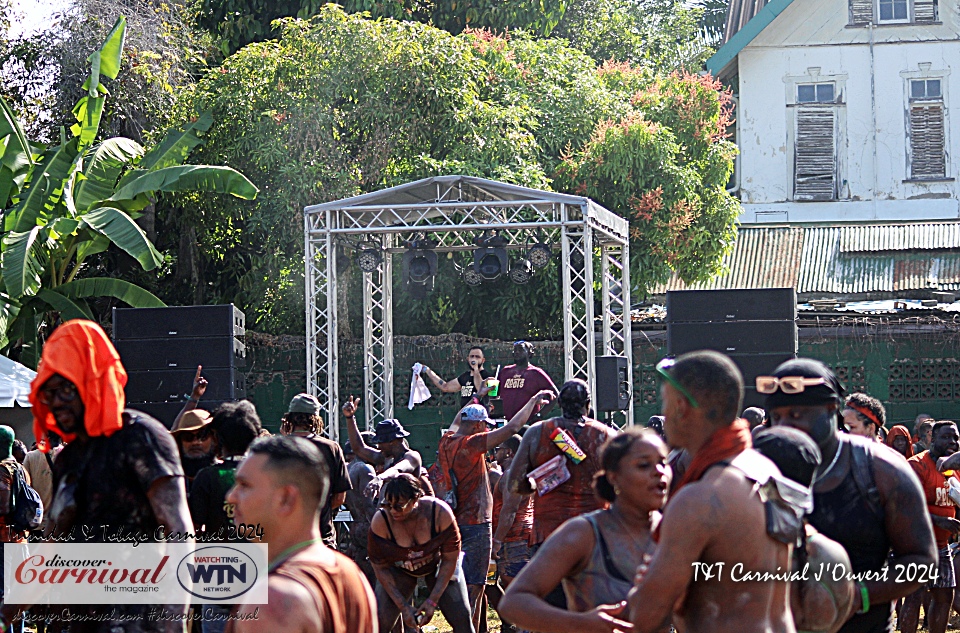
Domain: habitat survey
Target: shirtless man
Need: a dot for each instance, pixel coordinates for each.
(392, 454)
(697, 573)
(869, 509)
(280, 485)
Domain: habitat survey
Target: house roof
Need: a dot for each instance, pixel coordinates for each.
(745, 20)
(841, 259)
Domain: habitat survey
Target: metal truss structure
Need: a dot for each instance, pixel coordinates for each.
(452, 211)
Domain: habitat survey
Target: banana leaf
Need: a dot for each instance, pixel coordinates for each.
(102, 167)
(23, 261)
(131, 294)
(45, 186)
(176, 145)
(123, 231)
(206, 178)
(67, 308)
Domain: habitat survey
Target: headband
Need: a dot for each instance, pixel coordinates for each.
(865, 412)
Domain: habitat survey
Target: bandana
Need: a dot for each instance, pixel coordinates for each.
(81, 352)
(865, 412)
(900, 431)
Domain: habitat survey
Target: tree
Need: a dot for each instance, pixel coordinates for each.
(341, 105)
(67, 203)
(241, 22)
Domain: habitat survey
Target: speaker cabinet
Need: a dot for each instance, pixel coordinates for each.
(613, 384)
(735, 337)
(166, 412)
(170, 385)
(181, 353)
(766, 304)
(178, 322)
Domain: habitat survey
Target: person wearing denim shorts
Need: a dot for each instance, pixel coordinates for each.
(462, 458)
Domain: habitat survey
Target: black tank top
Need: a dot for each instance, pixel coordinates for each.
(844, 515)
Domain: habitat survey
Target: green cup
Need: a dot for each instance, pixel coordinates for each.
(494, 384)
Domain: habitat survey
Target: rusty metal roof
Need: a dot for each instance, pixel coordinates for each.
(847, 259)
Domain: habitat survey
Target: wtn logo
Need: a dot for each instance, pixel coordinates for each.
(225, 573)
(217, 573)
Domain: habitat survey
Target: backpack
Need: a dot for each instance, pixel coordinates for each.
(19, 502)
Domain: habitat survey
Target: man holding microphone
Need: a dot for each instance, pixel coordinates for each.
(469, 382)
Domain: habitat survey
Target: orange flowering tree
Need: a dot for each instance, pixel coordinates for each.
(664, 166)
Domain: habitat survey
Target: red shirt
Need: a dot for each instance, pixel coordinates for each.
(518, 386)
(465, 457)
(935, 488)
(522, 522)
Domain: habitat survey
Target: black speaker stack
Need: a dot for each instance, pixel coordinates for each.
(613, 386)
(162, 347)
(756, 328)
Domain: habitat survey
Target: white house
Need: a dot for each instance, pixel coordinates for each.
(847, 173)
(844, 109)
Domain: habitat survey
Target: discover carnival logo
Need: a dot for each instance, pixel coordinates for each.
(148, 573)
(217, 572)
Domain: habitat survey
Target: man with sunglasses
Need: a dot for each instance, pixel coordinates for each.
(119, 473)
(714, 533)
(866, 497)
(196, 443)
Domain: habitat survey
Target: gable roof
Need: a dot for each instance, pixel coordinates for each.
(745, 20)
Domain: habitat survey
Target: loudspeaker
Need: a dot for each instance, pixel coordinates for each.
(170, 385)
(765, 304)
(735, 337)
(613, 386)
(178, 322)
(179, 353)
(753, 365)
(166, 412)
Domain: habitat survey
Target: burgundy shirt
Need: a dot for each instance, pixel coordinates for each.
(518, 386)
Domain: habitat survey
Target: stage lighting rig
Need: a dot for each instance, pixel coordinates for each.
(539, 253)
(369, 256)
(420, 267)
(521, 272)
(490, 259)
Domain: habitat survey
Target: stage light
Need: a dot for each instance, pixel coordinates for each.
(539, 254)
(521, 272)
(490, 261)
(471, 277)
(368, 256)
(419, 267)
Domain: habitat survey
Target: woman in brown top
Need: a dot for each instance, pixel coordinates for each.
(595, 555)
(414, 536)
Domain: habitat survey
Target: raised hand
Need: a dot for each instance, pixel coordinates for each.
(350, 407)
(199, 385)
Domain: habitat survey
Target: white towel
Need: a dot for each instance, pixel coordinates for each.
(418, 389)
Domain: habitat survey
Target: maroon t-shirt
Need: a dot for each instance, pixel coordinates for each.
(518, 386)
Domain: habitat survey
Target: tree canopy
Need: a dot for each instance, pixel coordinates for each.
(341, 104)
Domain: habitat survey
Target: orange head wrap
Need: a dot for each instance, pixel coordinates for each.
(900, 431)
(81, 352)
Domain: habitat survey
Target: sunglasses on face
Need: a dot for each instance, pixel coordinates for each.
(197, 436)
(663, 368)
(787, 384)
(66, 392)
(396, 506)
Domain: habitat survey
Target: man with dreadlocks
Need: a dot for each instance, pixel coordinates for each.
(303, 420)
(562, 455)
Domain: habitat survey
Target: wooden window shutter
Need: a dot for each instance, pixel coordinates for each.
(927, 143)
(815, 165)
(861, 12)
(925, 11)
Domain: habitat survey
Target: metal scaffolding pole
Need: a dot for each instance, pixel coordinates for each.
(378, 343)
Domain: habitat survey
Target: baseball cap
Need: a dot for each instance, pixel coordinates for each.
(474, 413)
(304, 403)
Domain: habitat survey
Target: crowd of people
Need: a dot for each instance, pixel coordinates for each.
(806, 515)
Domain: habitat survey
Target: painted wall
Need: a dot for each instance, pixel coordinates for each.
(810, 42)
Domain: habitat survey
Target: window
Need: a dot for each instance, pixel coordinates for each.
(894, 10)
(927, 143)
(864, 12)
(815, 93)
(814, 155)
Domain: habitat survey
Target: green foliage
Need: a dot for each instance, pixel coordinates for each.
(342, 105)
(664, 167)
(658, 35)
(64, 204)
(241, 22)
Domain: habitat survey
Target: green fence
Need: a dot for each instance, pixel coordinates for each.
(912, 369)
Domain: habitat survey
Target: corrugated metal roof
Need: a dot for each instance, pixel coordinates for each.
(739, 12)
(761, 258)
(899, 237)
(850, 259)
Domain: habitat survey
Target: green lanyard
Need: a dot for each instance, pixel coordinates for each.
(290, 551)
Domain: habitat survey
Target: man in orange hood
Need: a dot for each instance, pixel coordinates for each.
(120, 474)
